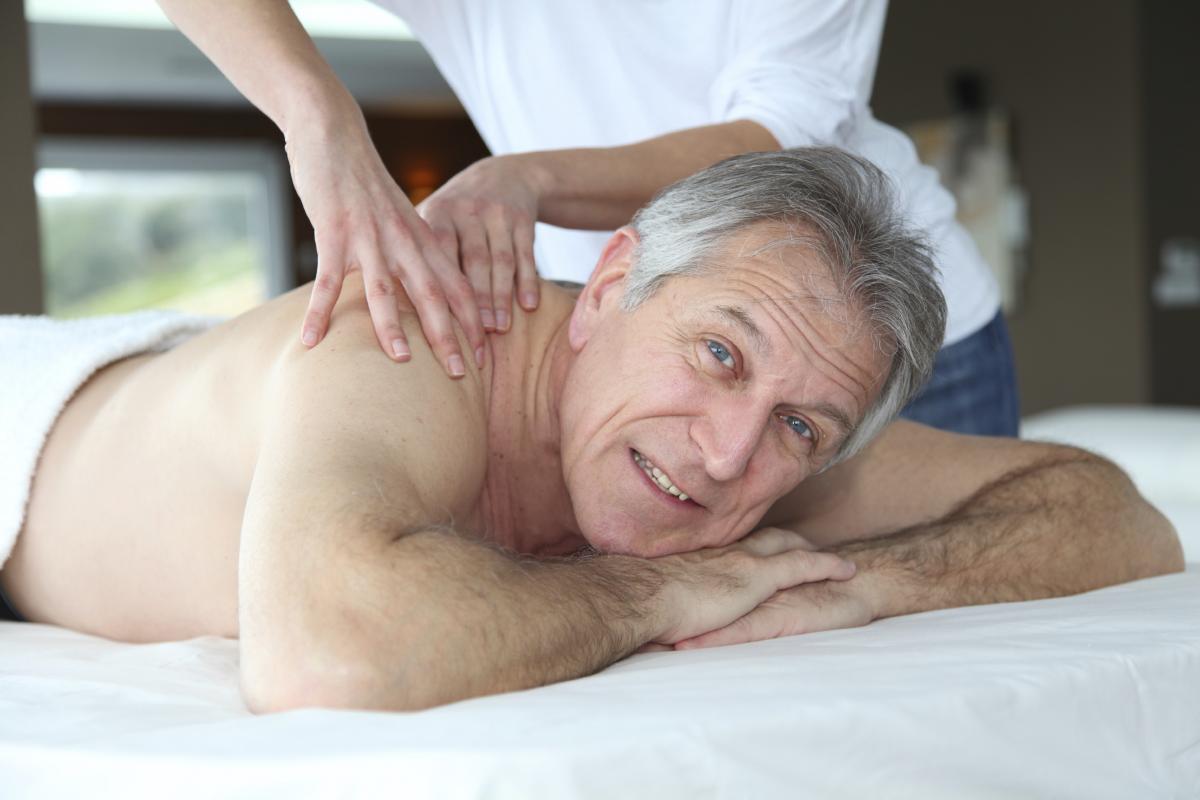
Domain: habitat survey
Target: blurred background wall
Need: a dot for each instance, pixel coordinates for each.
(20, 278)
(1069, 75)
(1098, 93)
(1170, 63)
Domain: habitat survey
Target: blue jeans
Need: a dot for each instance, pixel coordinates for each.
(973, 388)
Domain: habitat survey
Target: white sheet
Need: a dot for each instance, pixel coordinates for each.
(1094, 696)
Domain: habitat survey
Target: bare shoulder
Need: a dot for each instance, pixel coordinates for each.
(397, 440)
(909, 475)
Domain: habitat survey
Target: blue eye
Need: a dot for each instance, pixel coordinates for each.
(721, 353)
(799, 426)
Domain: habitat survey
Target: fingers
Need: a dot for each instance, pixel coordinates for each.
(772, 541)
(764, 622)
(380, 289)
(819, 606)
(428, 298)
(476, 265)
(528, 288)
(792, 559)
(436, 288)
(446, 239)
(462, 302)
(802, 566)
(331, 273)
(500, 246)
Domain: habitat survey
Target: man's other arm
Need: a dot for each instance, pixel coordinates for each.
(359, 588)
(938, 520)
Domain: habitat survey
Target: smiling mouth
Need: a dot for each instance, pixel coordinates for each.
(660, 479)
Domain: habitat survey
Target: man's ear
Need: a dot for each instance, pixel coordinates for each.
(604, 288)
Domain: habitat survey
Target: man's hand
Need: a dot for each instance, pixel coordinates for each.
(484, 217)
(939, 520)
(363, 221)
(809, 608)
(712, 591)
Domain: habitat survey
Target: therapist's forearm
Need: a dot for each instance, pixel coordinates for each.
(1058, 527)
(262, 48)
(601, 188)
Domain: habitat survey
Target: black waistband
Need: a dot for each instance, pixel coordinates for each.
(7, 612)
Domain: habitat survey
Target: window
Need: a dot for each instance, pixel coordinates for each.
(127, 225)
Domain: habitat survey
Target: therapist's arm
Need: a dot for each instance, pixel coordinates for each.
(361, 218)
(937, 520)
(600, 188)
(485, 214)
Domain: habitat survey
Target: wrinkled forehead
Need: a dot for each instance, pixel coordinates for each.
(794, 252)
(778, 295)
(786, 267)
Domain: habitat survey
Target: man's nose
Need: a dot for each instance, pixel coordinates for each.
(728, 435)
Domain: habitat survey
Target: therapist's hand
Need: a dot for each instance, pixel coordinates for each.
(483, 218)
(364, 221)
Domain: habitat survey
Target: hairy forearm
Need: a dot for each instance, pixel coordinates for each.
(435, 617)
(515, 622)
(1063, 525)
(601, 188)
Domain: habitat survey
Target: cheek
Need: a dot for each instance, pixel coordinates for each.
(601, 401)
(769, 480)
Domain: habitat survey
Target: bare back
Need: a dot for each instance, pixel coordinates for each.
(135, 514)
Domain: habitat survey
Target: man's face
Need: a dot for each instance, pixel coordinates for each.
(684, 420)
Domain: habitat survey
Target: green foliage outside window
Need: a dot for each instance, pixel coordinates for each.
(117, 242)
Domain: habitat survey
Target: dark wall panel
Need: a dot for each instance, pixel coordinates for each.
(1171, 62)
(20, 275)
(1068, 73)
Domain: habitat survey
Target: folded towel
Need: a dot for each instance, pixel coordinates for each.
(43, 362)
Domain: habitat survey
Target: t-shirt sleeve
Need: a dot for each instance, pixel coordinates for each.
(800, 68)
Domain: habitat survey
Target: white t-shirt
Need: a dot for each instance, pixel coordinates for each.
(547, 74)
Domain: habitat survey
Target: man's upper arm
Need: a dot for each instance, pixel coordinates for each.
(911, 474)
(354, 449)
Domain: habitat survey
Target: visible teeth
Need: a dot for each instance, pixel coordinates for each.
(658, 476)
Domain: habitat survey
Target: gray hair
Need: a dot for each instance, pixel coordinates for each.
(846, 211)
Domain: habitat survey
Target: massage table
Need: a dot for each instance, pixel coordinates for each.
(1091, 696)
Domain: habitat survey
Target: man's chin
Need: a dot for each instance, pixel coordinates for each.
(641, 544)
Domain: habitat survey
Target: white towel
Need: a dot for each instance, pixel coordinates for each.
(43, 362)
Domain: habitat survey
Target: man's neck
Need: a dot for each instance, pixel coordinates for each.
(525, 504)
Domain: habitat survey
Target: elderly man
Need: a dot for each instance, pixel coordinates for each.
(668, 458)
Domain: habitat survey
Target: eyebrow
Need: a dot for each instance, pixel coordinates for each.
(762, 344)
(743, 320)
(838, 416)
